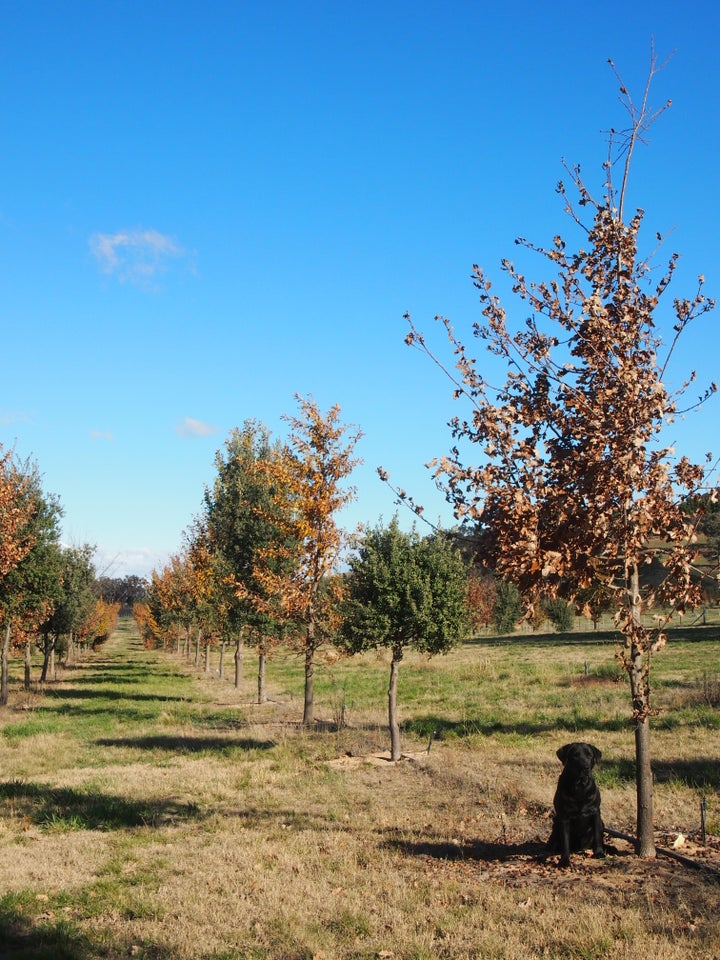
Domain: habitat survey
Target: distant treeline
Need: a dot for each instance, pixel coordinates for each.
(126, 591)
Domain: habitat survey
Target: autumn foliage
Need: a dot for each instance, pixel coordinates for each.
(296, 569)
(563, 468)
(16, 511)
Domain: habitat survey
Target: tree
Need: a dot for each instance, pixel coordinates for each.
(508, 610)
(296, 569)
(29, 590)
(16, 511)
(206, 597)
(574, 487)
(126, 591)
(169, 612)
(241, 515)
(404, 592)
(560, 613)
(100, 621)
(74, 604)
(482, 597)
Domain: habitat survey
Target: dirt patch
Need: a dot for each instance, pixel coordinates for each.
(353, 761)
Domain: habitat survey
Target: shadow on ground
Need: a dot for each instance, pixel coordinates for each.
(698, 774)
(72, 693)
(478, 850)
(64, 808)
(439, 727)
(179, 744)
(28, 938)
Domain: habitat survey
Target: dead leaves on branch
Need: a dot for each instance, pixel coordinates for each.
(296, 569)
(17, 508)
(560, 467)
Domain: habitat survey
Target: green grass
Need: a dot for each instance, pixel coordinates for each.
(148, 811)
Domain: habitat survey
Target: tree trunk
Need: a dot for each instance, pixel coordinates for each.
(640, 690)
(198, 637)
(207, 656)
(28, 664)
(392, 707)
(70, 656)
(262, 662)
(645, 846)
(48, 651)
(309, 704)
(239, 653)
(221, 665)
(4, 665)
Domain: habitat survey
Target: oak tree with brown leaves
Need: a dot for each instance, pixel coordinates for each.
(298, 569)
(168, 614)
(20, 506)
(572, 487)
(16, 511)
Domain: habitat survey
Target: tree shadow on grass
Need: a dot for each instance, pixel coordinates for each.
(180, 744)
(70, 693)
(99, 679)
(699, 774)
(23, 937)
(478, 850)
(114, 673)
(440, 727)
(65, 808)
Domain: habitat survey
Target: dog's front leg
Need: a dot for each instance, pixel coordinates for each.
(564, 825)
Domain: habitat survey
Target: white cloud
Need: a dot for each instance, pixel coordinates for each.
(138, 561)
(101, 435)
(10, 417)
(190, 427)
(135, 256)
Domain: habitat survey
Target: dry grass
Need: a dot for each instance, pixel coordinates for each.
(148, 812)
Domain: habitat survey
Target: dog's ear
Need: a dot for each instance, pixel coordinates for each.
(596, 755)
(562, 753)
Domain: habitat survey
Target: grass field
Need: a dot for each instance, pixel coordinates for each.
(149, 811)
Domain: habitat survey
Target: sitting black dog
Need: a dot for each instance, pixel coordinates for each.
(577, 824)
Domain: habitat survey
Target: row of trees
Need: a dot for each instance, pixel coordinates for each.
(561, 472)
(47, 596)
(266, 562)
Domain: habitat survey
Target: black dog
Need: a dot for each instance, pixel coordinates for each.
(577, 824)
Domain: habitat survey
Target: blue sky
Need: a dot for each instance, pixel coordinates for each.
(208, 208)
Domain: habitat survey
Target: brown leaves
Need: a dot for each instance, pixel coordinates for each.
(307, 478)
(17, 507)
(568, 486)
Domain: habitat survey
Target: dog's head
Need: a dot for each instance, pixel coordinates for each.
(581, 756)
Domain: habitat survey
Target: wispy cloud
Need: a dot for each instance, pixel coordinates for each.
(101, 435)
(135, 256)
(10, 417)
(190, 427)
